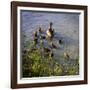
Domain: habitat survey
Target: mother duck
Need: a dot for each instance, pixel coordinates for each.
(50, 31)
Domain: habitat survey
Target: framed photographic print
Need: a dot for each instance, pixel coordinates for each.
(48, 44)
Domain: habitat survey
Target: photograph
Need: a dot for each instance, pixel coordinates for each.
(48, 44)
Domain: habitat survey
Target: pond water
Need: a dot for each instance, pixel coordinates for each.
(66, 26)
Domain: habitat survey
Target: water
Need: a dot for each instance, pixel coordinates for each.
(66, 26)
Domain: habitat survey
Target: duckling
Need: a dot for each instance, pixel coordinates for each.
(66, 56)
(53, 45)
(40, 30)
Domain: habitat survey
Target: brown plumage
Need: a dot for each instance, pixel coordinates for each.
(53, 45)
(66, 56)
(50, 31)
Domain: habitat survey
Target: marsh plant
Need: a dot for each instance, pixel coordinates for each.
(38, 58)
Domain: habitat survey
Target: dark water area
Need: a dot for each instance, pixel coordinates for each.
(66, 26)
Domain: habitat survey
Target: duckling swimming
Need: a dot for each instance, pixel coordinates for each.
(53, 45)
(40, 30)
(66, 55)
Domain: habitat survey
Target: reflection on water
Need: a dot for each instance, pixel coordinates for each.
(66, 26)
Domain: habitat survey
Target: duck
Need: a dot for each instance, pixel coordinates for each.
(40, 30)
(50, 31)
(66, 56)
